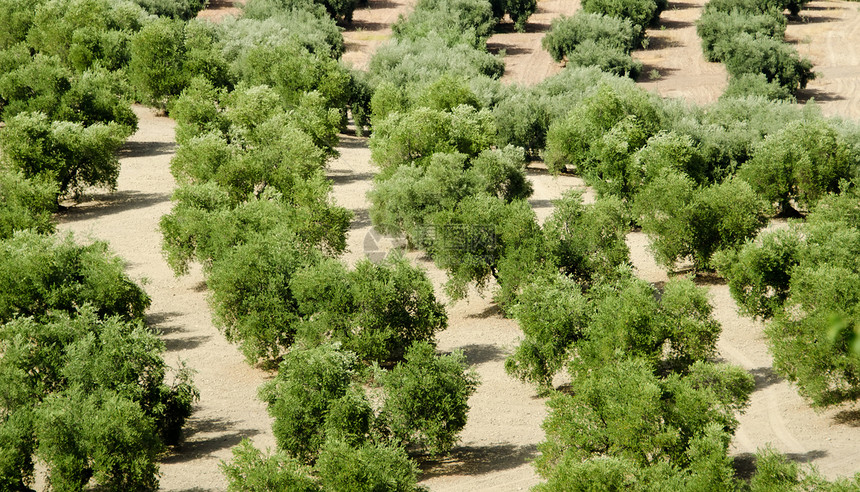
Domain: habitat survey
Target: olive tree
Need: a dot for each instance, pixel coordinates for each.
(70, 154)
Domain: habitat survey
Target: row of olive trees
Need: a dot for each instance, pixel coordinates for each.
(254, 208)
(749, 38)
(84, 386)
(85, 389)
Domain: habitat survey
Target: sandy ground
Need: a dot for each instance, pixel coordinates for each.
(371, 26)
(828, 33)
(526, 62)
(673, 63)
(500, 438)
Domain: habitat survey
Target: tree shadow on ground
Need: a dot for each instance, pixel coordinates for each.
(477, 460)
(220, 434)
(345, 177)
(146, 149)
(653, 73)
(510, 49)
(804, 95)
(479, 353)
(171, 333)
(850, 418)
(491, 311)
(745, 463)
(103, 204)
(764, 377)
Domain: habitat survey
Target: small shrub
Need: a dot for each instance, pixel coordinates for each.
(366, 468)
(252, 471)
(70, 154)
(426, 398)
(567, 33)
(26, 204)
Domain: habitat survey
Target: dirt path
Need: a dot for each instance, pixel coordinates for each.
(526, 62)
(216, 10)
(828, 33)
(228, 410)
(371, 26)
(673, 63)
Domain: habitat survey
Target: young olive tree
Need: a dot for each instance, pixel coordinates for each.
(70, 154)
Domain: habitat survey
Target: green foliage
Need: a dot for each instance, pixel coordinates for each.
(718, 25)
(376, 310)
(622, 410)
(759, 273)
(252, 471)
(409, 137)
(608, 59)
(552, 312)
(682, 220)
(85, 32)
(83, 435)
(774, 471)
(671, 333)
(468, 22)
(251, 296)
(668, 151)
(751, 84)
(800, 163)
(405, 201)
(471, 240)
(157, 57)
(16, 18)
(625, 115)
(745, 54)
(40, 274)
(97, 388)
(69, 154)
(204, 225)
(568, 33)
(290, 69)
(426, 398)
(586, 242)
(640, 12)
(406, 62)
(520, 11)
(309, 384)
(183, 9)
(369, 467)
(25, 204)
(42, 84)
(805, 280)
(265, 22)
(822, 364)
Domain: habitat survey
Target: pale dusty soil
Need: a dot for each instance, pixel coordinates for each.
(504, 421)
(828, 33)
(371, 26)
(526, 62)
(218, 9)
(674, 52)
